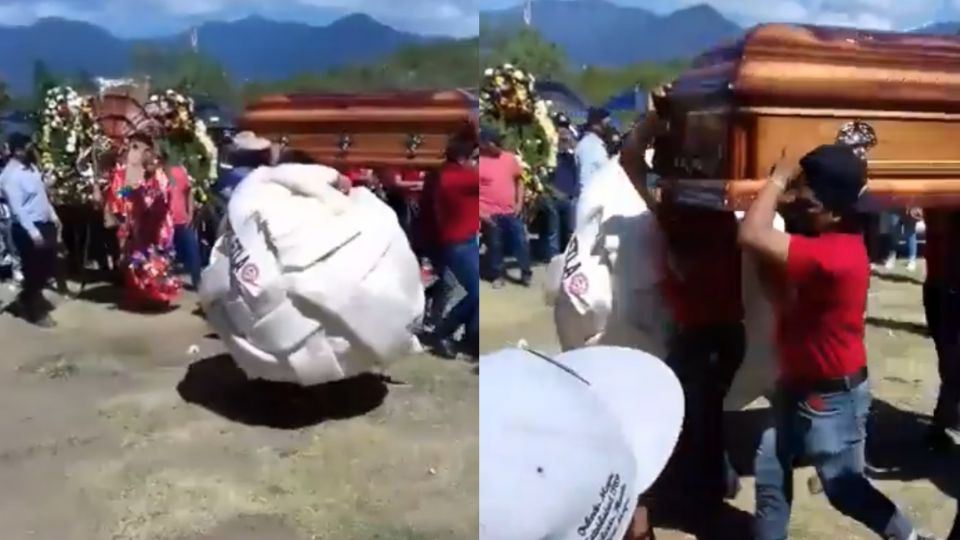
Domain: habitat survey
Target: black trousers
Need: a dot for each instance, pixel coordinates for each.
(942, 307)
(39, 265)
(706, 360)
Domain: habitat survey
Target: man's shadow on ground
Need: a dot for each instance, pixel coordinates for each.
(218, 385)
(896, 450)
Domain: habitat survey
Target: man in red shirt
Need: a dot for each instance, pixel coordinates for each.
(450, 208)
(702, 287)
(822, 398)
(185, 239)
(501, 203)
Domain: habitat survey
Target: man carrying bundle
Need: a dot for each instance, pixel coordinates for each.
(822, 399)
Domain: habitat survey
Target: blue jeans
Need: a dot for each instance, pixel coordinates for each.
(463, 261)
(829, 431)
(506, 231)
(559, 220)
(187, 245)
(903, 228)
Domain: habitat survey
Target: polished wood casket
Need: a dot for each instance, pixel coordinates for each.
(408, 129)
(739, 106)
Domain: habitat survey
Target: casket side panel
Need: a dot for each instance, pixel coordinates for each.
(348, 130)
(807, 66)
(916, 161)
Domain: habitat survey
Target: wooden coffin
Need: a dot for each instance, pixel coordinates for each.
(738, 106)
(373, 130)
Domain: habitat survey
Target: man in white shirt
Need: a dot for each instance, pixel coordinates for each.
(591, 152)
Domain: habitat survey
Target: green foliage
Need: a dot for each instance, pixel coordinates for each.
(527, 50)
(186, 71)
(448, 64)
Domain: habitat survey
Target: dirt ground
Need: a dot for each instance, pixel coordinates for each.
(905, 383)
(118, 426)
(127, 427)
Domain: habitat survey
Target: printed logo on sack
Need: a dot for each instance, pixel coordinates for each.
(578, 285)
(250, 273)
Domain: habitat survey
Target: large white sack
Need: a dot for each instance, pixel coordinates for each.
(308, 285)
(616, 249)
(605, 285)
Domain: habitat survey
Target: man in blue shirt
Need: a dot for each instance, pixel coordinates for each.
(591, 152)
(35, 229)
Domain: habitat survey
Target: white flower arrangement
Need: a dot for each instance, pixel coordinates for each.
(176, 115)
(69, 133)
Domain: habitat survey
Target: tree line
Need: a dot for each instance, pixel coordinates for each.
(527, 49)
(439, 65)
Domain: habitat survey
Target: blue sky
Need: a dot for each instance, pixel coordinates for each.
(136, 18)
(877, 14)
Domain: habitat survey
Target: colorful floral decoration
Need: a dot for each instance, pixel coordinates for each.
(69, 141)
(185, 139)
(510, 104)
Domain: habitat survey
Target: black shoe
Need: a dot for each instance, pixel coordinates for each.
(444, 348)
(526, 278)
(938, 439)
(46, 323)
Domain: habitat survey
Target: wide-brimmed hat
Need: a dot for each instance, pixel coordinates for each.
(248, 141)
(568, 444)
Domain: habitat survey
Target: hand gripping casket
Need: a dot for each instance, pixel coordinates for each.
(407, 129)
(308, 285)
(736, 109)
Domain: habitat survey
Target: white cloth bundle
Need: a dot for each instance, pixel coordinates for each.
(617, 301)
(308, 285)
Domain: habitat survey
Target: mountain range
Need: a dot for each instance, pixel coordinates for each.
(254, 48)
(604, 33)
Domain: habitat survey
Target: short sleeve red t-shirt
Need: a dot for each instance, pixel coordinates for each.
(498, 184)
(701, 266)
(820, 331)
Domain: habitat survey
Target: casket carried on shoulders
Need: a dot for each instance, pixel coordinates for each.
(408, 129)
(739, 106)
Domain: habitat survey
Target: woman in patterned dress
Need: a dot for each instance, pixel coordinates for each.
(138, 198)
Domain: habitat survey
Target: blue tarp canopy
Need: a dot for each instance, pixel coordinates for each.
(564, 100)
(630, 100)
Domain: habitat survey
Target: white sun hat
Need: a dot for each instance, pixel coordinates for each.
(248, 141)
(568, 444)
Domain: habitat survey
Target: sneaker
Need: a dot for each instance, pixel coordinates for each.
(499, 283)
(890, 263)
(912, 266)
(526, 278)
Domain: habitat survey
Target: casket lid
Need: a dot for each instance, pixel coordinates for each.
(811, 66)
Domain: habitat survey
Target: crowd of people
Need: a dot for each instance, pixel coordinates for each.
(816, 275)
(153, 232)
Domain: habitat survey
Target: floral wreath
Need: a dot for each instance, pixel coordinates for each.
(185, 138)
(70, 137)
(510, 103)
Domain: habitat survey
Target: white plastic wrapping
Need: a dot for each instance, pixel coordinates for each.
(308, 285)
(618, 301)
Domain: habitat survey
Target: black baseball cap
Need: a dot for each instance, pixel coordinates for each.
(489, 135)
(18, 141)
(597, 115)
(836, 175)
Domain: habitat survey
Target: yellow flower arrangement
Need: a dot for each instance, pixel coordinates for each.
(509, 101)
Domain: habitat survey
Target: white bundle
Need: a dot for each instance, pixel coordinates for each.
(605, 287)
(308, 285)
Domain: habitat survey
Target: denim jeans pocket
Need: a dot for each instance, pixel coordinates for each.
(830, 422)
